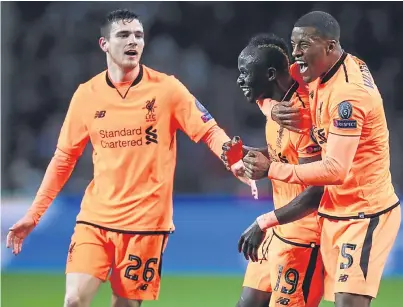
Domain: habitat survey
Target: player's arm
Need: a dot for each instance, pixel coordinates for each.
(343, 139)
(294, 115)
(305, 203)
(195, 120)
(72, 140)
(71, 143)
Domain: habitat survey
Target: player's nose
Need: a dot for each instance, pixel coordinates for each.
(296, 52)
(240, 81)
(132, 40)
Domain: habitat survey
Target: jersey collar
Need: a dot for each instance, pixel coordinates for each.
(135, 82)
(287, 95)
(290, 92)
(327, 76)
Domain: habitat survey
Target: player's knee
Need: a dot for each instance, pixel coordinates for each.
(118, 301)
(352, 300)
(74, 300)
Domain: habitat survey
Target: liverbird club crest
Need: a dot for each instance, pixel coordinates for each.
(150, 107)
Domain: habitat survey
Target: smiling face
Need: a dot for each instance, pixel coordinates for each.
(311, 52)
(125, 43)
(254, 75)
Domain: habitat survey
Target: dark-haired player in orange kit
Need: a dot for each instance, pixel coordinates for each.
(131, 114)
(360, 212)
(287, 268)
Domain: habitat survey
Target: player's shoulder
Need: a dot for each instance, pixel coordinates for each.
(95, 83)
(354, 82)
(154, 76)
(358, 77)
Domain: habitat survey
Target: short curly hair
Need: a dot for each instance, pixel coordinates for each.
(114, 16)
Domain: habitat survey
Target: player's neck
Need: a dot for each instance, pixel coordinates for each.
(284, 83)
(334, 58)
(119, 75)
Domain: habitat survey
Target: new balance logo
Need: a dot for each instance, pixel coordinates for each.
(143, 287)
(99, 114)
(72, 247)
(311, 94)
(343, 278)
(283, 301)
(151, 135)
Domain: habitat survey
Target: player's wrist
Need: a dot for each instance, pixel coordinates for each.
(33, 216)
(267, 220)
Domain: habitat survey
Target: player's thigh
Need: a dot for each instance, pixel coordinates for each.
(123, 302)
(90, 252)
(136, 273)
(364, 246)
(296, 274)
(80, 289)
(257, 275)
(253, 298)
(330, 255)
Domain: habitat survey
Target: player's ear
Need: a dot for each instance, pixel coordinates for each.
(331, 46)
(103, 43)
(271, 74)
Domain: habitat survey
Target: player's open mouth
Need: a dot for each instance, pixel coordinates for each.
(131, 52)
(246, 91)
(303, 66)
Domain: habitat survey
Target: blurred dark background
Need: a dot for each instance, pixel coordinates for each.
(48, 48)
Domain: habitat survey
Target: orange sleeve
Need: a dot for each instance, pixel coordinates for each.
(191, 116)
(74, 134)
(72, 141)
(58, 172)
(214, 138)
(348, 109)
(332, 170)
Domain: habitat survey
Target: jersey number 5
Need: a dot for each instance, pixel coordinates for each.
(148, 273)
(346, 255)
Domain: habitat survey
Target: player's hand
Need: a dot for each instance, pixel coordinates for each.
(238, 169)
(287, 116)
(232, 152)
(18, 232)
(250, 241)
(256, 165)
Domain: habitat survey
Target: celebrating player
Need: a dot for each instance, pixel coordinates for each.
(287, 268)
(130, 113)
(360, 210)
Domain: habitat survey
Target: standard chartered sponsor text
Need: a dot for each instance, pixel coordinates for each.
(127, 137)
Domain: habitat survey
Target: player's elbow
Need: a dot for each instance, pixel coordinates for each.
(342, 176)
(337, 181)
(338, 173)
